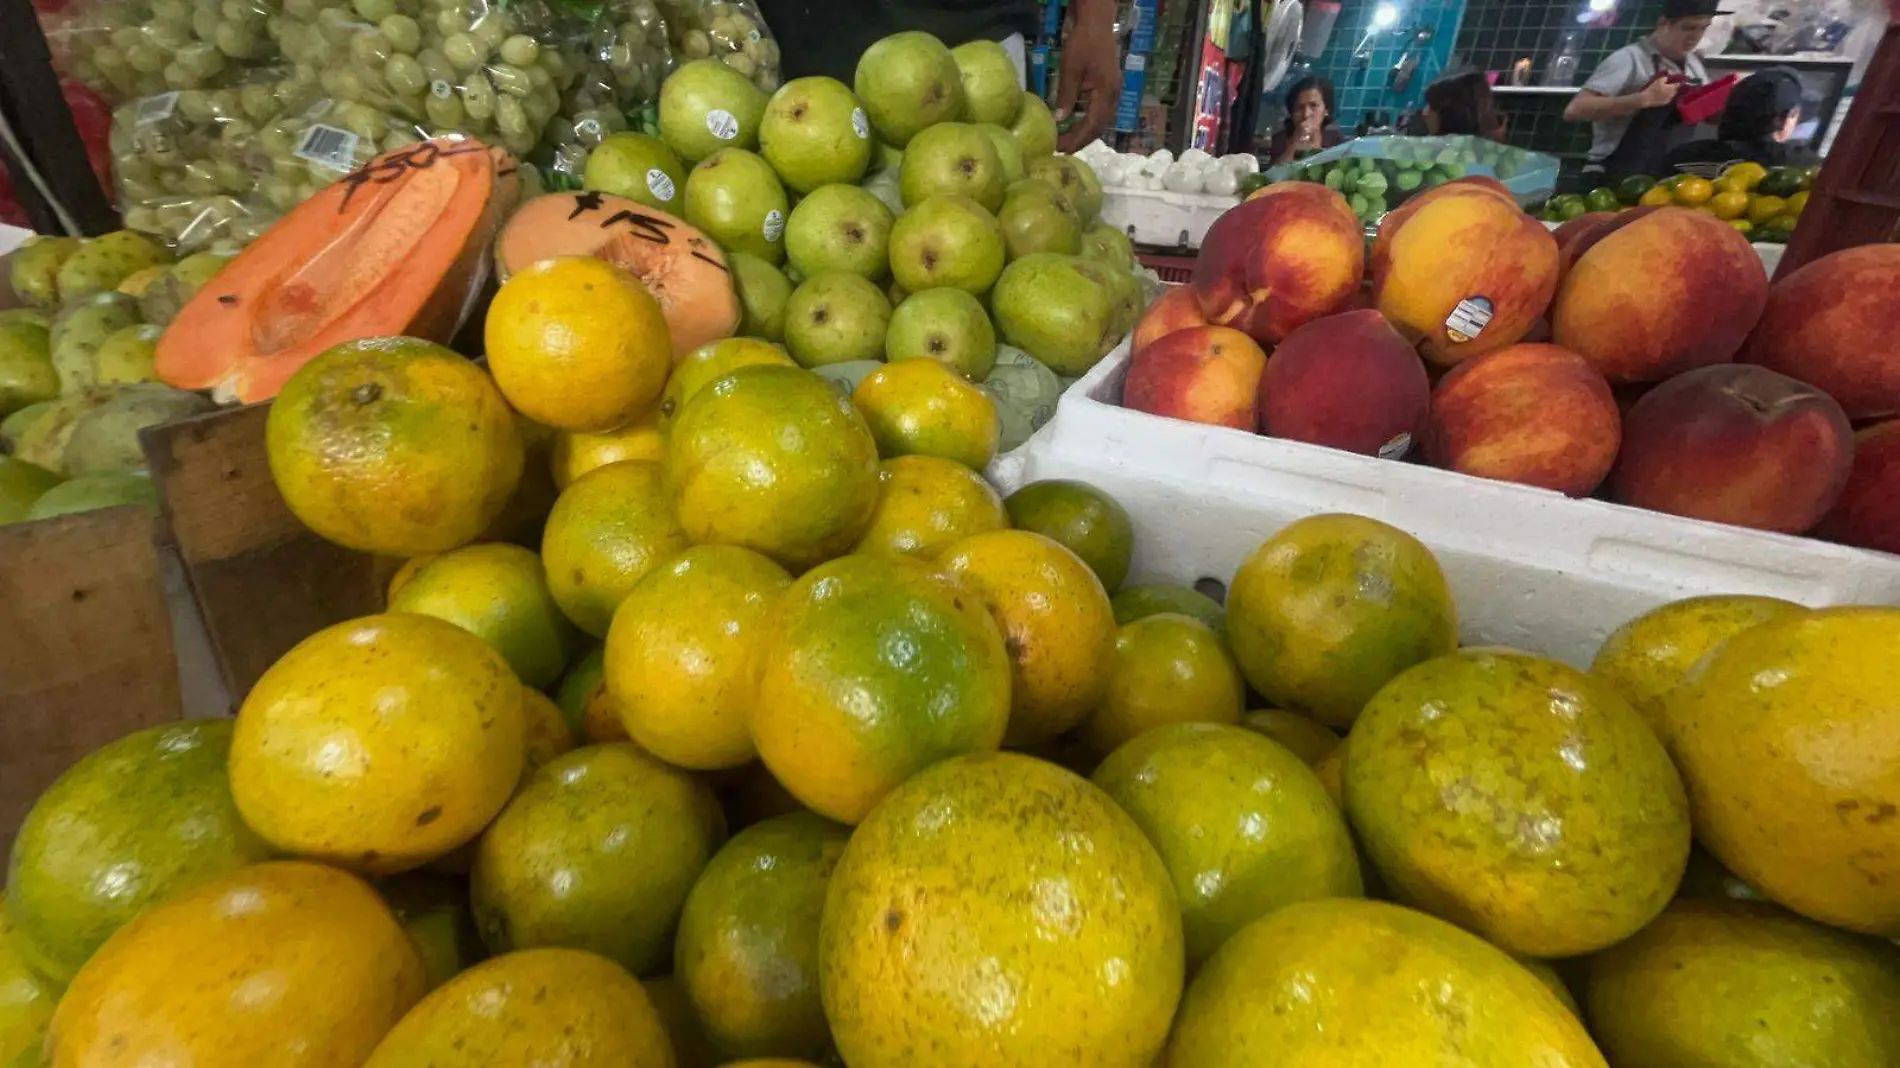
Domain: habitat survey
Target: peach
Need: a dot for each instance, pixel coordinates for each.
(1668, 292)
(1389, 225)
(1204, 374)
(1347, 382)
(1738, 444)
(1835, 324)
(1465, 275)
(1539, 415)
(1582, 233)
(1177, 309)
(1868, 513)
(1276, 262)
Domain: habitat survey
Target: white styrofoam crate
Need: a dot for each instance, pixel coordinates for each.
(1530, 568)
(1166, 220)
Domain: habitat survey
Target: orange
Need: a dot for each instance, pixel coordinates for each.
(1311, 742)
(263, 960)
(583, 677)
(747, 951)
(921, 407)
(924, 504)
(433, 910)
(499, 593)
(711, 361)
(1000, 911)
(683, 1029)
(379, 744)
(547, 735)
(1730, 205)
(1346, 982)
(541, 1006)
(1091, 523)
(1323, 613)
(596, 852)
(1167, 669)
(26, 1000)
(1243, 825)
(131, 824)
(1737, 982)
(575, 453)
(577, 343)
(679, 654)
(1789, 740)
(872, 668)
(1648, 658)
(406, 572)
(607, 530)
(1520, 799)
(394, 446)
(773, 459)
(1056, 621)
(1694, 192)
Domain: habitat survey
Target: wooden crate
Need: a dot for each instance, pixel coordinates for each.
(88, 651)
(262, 580)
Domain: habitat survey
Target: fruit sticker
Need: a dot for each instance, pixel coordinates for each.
(1469, 319)
(774, 227)
(860, 125)
(660, 184)
(1396, 448)
(441, 89)
(721, 124)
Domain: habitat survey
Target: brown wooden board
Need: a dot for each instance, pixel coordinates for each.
(87, 655)
(262, 580)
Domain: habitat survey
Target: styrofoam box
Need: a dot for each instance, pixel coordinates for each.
(1530, 568)
(1163, 219)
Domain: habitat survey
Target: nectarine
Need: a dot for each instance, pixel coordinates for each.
(1204, 374)
(1835, 324)
(1347, 382)
(1738, 444)
(1868, 513)
(1177, 309)
(1389, 225)
(1465, 275)
(1539, 415)
(1274, 263)
(1665, 293)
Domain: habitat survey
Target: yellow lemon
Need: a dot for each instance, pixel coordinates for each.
(920, 407)
(577, 343)
(1762, 209)
(1694, 192)
(1729, 205)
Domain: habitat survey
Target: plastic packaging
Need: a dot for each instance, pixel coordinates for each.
(1384, 171)
(731, 31)
(621, 56)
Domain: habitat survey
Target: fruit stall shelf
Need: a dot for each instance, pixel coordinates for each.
(1531, 568)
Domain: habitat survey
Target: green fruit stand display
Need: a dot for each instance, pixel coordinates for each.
(646, 627)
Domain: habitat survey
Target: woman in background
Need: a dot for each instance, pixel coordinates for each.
(1309, 124)
(1463, 105)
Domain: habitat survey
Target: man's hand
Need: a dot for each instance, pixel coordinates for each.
(1658, 93)
(1091, 68)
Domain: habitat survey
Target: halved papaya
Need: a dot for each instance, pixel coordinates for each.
(682, 267)
(396, 247)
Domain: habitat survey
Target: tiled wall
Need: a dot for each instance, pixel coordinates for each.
(1365, 85)
(1497, 33)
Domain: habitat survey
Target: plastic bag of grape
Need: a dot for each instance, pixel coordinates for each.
(126, 50)
(731, 31)
(622, 57)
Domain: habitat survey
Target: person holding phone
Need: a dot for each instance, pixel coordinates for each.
(1629, 100)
